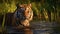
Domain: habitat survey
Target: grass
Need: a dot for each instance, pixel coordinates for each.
(0, 29)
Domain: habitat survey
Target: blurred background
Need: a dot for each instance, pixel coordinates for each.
(43, 10)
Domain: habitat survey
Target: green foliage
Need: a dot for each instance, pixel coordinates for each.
(3, 23)
(37, 6)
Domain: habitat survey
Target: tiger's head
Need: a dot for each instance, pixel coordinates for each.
(28, 13)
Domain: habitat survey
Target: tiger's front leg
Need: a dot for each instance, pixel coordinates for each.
(25, 23)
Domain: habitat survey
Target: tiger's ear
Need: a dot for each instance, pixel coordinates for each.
(29, 5)
(21, 5)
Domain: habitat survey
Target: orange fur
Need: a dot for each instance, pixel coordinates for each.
(28, 14)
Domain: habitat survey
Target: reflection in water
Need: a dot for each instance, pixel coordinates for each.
(28, 31)
(15, 30)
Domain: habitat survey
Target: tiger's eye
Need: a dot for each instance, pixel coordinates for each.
(23, 8)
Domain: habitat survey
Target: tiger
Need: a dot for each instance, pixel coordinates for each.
(25, 15)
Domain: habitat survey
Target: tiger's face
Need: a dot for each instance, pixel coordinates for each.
(28, 13)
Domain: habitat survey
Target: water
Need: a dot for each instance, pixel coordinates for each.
(37, 28)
